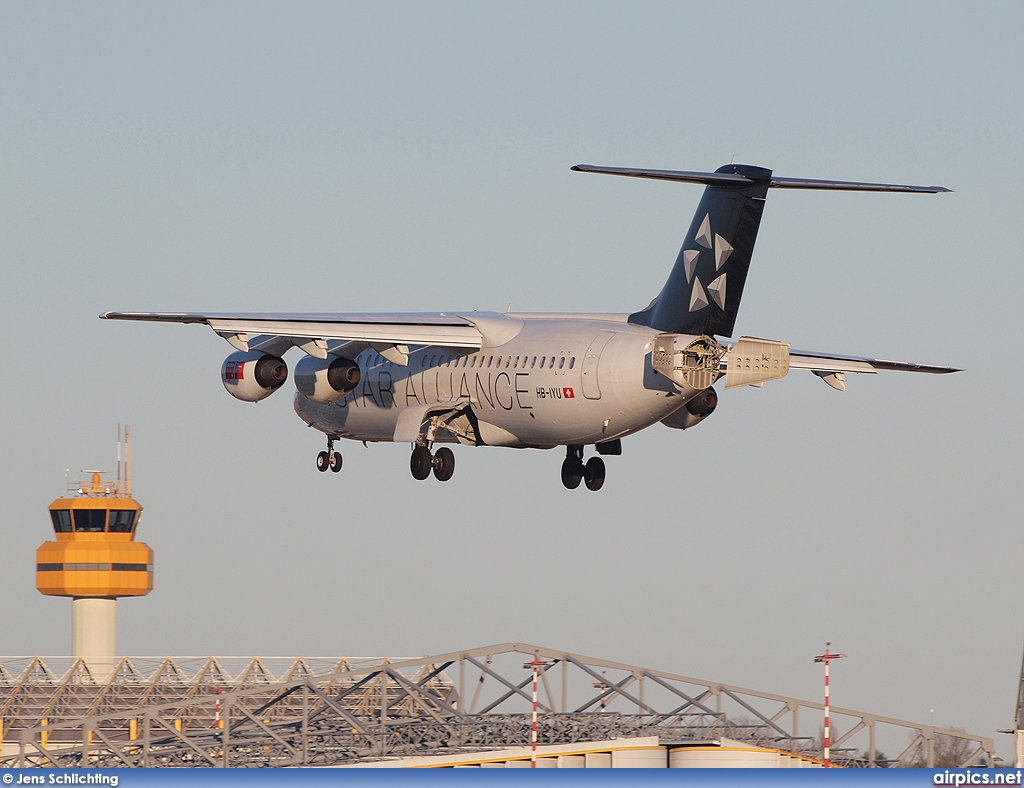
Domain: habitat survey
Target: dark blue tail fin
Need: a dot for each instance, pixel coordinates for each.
(702, 295)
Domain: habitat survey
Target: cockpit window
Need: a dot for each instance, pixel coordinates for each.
(121, 521)
(61, 520)
(90, 520)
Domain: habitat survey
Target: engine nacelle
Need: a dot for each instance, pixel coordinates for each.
(253, 376)
(694, 411)
(326, 380)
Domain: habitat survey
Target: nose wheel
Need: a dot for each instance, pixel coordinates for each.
(441, 463)
(330, 458)
(574, 470)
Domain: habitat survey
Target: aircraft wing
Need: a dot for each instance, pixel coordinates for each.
(311, 332)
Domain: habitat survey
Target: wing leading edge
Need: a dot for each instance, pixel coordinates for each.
(408, 329)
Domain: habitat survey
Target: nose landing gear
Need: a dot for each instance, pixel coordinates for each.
(330, 458)
(442, 463)
(574, 470)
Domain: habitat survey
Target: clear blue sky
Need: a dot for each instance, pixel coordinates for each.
(390, 156)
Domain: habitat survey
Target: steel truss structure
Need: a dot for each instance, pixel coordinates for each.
(372, 709)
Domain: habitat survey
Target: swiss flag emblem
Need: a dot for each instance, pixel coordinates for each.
(568, 394)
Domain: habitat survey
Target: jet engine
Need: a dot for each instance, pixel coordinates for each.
(694, 411)
(326, 380)
(253, 375)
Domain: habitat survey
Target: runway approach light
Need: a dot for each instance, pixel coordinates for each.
(95, 559)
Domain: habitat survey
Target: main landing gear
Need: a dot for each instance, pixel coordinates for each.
(330, 458)
(442, 463)
(574, 470)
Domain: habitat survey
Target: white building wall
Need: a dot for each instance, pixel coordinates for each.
(647, 758)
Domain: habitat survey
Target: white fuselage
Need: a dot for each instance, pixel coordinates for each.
(551, 381)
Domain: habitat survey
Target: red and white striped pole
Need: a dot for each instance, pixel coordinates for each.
(826, 658)
(533, 724)
(536, 665)
(602, 686)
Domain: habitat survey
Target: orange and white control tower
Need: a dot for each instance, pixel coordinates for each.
(95, 560)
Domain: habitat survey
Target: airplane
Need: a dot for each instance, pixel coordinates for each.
(540, 380)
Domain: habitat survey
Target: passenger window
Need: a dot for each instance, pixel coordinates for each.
(542, 360)
(424, 362)
(516, 364)
(121, 521)
(561, 362)
(533, 363)
(61, 520)
(572, 362)
(90, 520)
(490, 360)
(499, 361)
(433, 360)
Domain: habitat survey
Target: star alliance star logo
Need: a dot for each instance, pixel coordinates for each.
(722, 249)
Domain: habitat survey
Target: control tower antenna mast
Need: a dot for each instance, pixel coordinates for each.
(826, 658)
(127, 461)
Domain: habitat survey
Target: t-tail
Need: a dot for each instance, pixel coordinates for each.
(702, 294)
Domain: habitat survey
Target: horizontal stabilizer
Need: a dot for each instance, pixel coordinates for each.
(736, 180)
(827, 362)
(707, 178)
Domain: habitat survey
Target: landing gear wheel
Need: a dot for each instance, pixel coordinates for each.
(421, 463)
(335, 461)
(323, 461)
(444, 464)
(593, 473)
(572, 473)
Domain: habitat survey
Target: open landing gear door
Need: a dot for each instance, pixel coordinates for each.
(422, 423)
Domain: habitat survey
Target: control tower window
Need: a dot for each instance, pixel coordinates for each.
(90, 520)
(61, 520)
(121, 521)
